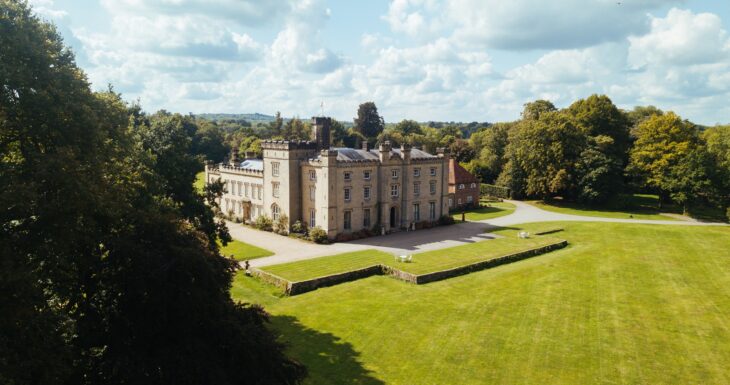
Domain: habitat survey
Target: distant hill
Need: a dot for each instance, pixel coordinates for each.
(253, 118)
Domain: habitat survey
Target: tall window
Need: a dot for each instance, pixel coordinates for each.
(394, 173)
(366, 192)
(394, 190)
(260, 188)
(433, 171)
(274, 168)
(312, 193)
(366, 218)
(239, 189)
(473, 185)
(416, 188)
(275, 211)
(275, 189)
(469, 199)
(416, 172)
(248, 188)
(312, 216)
(432, 187)
(348, 220)
(432, 211)
(416, 212)
(348, 176)
(347, 195)
(366, 175)
(451, 202)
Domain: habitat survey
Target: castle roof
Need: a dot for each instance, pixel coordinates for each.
(355, 154)
(252, 164)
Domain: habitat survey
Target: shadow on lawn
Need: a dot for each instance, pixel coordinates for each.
(328, 359)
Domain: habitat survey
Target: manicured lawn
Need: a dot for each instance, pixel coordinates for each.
(637, 207)
(623, 304)
(199, 181)
(242, 251)
(422, 263)
(495, 209)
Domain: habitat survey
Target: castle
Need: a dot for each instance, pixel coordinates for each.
(341, 190)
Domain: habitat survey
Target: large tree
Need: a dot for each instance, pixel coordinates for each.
(368, 122)
(109, 262)
(662, 143)
(603, 161)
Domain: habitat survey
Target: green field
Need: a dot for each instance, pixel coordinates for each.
(242, 251)
(637, 206)
(623, 304)
(199, 181)
(422, 263)
(495, 209)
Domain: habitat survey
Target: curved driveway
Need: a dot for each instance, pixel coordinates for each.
(408, 242)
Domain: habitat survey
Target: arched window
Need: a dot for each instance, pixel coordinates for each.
(275, 212)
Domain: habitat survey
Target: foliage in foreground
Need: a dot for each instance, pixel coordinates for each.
(110, 264)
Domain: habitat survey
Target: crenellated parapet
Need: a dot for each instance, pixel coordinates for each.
(288, 145)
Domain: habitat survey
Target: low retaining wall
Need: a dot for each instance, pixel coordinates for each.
(294, 288)
(483, 265)
(300, 287)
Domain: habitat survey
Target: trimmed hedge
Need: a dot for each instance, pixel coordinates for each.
(495, 191)
(294, 288)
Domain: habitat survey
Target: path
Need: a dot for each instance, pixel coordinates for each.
(287, 249)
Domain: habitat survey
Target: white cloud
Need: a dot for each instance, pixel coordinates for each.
(540, 24)
(46, 8)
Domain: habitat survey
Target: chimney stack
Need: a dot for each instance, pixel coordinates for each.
(366, 146)
(233, 161)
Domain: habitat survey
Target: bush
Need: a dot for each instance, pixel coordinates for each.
(728, 213)
(263, 223)
(495, 191)
(282, 224)
(299, 227)
(317, 235)
(446, 220)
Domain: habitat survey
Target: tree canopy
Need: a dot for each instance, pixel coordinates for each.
(368, 122)
(109, 257)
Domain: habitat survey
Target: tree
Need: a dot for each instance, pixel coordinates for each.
(662, 142)
(115, 278)
(533, 110)
(607, 132)
(462, 151)
(542, 156)
(209, 141)
(295, 129)
(490, 144)
(368, 122)
(408, 128)
(692, 179)
(276, 125)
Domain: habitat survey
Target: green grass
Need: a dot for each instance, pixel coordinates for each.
(495, 209)
(623, 304)
(199, 183)
(636, 207)
(242, 251)
(422, 263)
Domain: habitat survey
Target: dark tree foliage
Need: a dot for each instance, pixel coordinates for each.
(110, 270)
(368, 122)
(462, 151)
(209, 141)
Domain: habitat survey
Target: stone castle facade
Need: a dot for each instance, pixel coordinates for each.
(341, 190)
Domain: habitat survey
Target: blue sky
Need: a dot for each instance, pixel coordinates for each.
(460, 60)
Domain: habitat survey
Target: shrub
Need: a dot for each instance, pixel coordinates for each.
(728, 213)
(263, 223)
(282, 224)
(446, 220)
(299, 227)
(318, 235)
(495, 191)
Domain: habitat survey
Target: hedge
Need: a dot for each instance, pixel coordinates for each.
(495, 191)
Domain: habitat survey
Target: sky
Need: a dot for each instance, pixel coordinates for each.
(456, 60)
